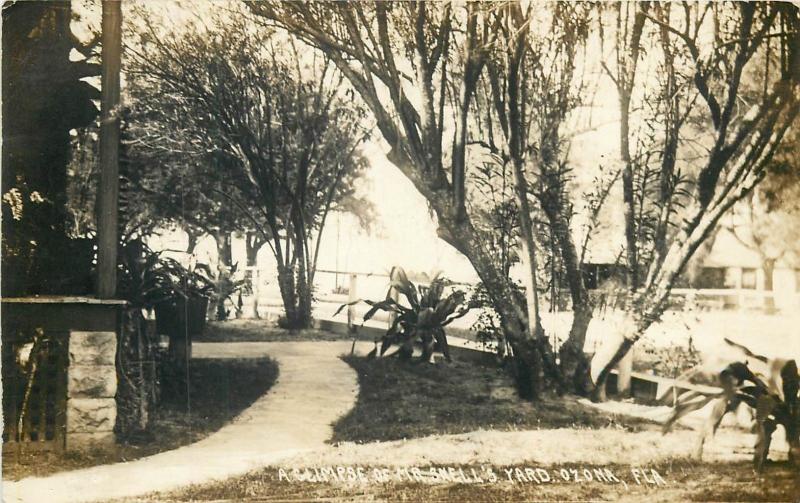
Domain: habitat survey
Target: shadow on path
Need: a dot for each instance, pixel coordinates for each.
(314, 388)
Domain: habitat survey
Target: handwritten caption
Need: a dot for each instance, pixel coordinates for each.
(471, 475)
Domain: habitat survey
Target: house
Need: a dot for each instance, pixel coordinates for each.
(732, 265)
(728, 274)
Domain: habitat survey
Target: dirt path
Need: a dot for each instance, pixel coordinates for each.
(314, 388)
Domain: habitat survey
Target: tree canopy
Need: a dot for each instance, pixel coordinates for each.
(693, 139)
(276, 123)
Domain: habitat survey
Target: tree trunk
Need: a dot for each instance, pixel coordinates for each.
(572, 359)
(575, 366)
(535, 365)
(648, 306)
(224, 252)
(303, 274)
(296, 298)
(252, 247)
(528, 367)
(193, 238)
(599, 392)
(304, 299)
(288, 295)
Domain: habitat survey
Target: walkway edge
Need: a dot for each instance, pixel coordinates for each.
(314, 388)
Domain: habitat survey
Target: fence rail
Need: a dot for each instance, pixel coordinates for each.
(707, 299)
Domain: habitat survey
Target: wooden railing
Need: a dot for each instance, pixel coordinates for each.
(34, 387)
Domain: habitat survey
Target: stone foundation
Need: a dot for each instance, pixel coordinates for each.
(91, 386)
(79, 374)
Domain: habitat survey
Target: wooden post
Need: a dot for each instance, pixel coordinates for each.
(352, 296)
(254, 282)
(108, 193)
(738, 285)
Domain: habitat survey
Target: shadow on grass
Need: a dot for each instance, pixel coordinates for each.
(409, 400)
(219, 391)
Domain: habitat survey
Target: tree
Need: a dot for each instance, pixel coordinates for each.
(199, 200)
(533, 88)
(401, 59)
(151, 160)
(429, 73)
(705, 50)
(280, 127)
(418, 68)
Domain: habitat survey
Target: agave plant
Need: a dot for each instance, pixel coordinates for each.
(429, 309)
(223, 286)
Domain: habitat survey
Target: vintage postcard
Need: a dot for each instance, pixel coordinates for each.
(508, 250)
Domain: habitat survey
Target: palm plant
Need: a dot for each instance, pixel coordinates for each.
(144, 277)
(429, 309)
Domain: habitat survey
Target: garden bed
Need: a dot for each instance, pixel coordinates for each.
(219, 390)
(400, 400)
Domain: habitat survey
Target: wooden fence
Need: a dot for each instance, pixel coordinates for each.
(352, 284)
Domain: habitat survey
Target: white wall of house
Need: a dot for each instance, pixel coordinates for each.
(737, 259)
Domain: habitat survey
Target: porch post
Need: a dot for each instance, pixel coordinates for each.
(108, 193)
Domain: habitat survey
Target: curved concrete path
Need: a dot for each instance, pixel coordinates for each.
(314, 388)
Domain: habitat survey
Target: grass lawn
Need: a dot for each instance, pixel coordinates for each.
(400, 400)
(677, 481)
(264, 331)
(219, 390)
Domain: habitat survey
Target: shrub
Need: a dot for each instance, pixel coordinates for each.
(669, 361)
(429, 309)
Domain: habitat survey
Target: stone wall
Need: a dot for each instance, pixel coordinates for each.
(91, 386)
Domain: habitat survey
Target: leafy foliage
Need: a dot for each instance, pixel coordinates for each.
(494, 211)
(429, 309)
(147, 278)
(488, 326)
(668, 361)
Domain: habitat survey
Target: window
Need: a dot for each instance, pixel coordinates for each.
(749, 279)
(710, 277)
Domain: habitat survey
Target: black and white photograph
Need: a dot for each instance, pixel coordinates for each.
(397, 250)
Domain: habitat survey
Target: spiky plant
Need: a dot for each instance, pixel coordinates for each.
(422, 320)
